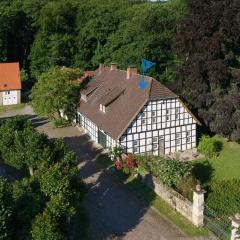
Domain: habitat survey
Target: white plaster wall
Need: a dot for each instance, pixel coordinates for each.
(166, 118)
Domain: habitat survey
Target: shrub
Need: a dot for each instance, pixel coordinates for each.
(127, 164)
(58, 123)
(210, 147)
(186, 185)
(223, 197)
(115, 152)
(167, 171)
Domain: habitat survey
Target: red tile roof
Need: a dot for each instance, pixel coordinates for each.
(10, 76)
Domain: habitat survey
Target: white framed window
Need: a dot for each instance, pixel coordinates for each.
(188, 139)
(135, 150)
(167, 118)
(155, 139)
(153, 113)
(176, 116)
(178, 135)
(154, 120)
(178, 141)
(155, 146)
(135, 143)
(143, 121)
(177, 110)
(167, 111)
(7, 92)
(102, 108)
(143, 115)
(188, 133)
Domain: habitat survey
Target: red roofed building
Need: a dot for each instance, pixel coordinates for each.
(10, 84)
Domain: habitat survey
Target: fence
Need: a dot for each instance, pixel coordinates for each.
(220, 227)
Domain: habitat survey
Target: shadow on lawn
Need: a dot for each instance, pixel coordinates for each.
(203, 171)
(112, 208)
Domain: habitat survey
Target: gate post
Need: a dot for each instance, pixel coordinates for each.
(198, 206)
(235, 227)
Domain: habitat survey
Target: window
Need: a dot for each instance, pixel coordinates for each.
(135, 142)
(167, 118)
(143, 121)
(188, 133)
(178, 141)
(155, 139)
(102, 108)
(7, 92)
(135, 149)
(176, 117)
(167, 111)
(153, 113)
(154, 120)
(155, 146)
(188, 139)
(177, 110)
(178, 135)
(143, 114)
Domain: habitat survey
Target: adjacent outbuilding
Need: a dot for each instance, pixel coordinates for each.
(10, 84)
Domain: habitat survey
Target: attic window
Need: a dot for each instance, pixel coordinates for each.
(102, 108)
(111, 96)
(86, 94)
(5, 85)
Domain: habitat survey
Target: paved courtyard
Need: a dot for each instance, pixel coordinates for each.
(115, 213)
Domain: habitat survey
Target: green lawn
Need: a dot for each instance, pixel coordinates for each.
(225, 166)
(14, 107)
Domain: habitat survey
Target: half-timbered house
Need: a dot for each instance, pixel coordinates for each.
(113, 110)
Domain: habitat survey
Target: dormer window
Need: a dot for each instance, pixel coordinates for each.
(102, 108)
(84, 97)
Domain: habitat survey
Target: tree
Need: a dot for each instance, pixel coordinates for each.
(208, 43)
(23, 146)
(56, 91)
(148, 34)
(6, 208)
(46, 226)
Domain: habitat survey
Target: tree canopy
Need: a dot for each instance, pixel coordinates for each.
(44, 34)
(56, 91)
(42, 203)
(209, 80)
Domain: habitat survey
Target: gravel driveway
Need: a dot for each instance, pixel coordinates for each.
(114, 211)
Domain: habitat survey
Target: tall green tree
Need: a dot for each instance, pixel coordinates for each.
(56, 91)
(208, 44)
(6, 209)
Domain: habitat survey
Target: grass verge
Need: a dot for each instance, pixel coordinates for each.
(225, 166)
(154, 201)
(14, 107)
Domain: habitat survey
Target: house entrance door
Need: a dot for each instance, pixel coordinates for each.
(102, 138)
(161, 145)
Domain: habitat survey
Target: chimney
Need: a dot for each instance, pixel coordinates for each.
(113, 66)
(101, 68)
(131, 70)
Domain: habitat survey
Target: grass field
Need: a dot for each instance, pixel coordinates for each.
(225, 166)
(4, 109)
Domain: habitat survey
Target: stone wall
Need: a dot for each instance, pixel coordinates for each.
(173, 198)
(192, 211)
